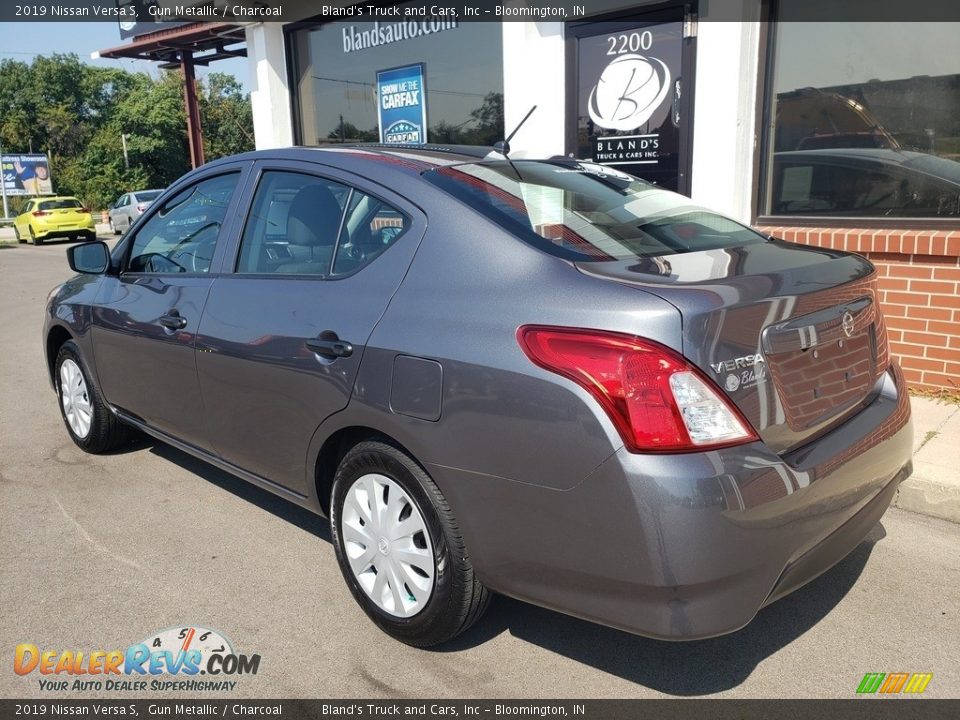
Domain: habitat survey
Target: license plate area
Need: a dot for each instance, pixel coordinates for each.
(824, 363)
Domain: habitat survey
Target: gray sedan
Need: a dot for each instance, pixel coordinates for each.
(129, 207)
(546, 379)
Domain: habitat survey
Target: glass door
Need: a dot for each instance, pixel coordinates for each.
(631, 81)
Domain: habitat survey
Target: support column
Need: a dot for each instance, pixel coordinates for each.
(271, 89)
(534, 73)
(192, 107)
(724, 115)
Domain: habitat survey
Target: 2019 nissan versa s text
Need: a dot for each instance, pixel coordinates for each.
(546, 379)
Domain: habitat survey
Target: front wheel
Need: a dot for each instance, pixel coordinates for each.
(16, 234)
(399, 547)
(91, 424)
(112, 228)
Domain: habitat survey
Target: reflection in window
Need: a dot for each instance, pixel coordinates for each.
(866, 120)
(336, 71)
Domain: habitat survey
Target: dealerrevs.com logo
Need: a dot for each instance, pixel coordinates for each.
(894, 683)
(170, 659)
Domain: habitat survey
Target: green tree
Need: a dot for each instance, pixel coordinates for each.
(77, 113)
(226, 117)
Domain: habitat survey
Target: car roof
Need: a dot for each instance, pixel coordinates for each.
(373, 158)
(932, 165)
(898, 157)
(44, 198)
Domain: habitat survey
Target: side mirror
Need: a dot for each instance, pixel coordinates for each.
(91, 258)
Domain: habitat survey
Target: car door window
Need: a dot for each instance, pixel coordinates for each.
(182, 235)
(122, 201)
(297, 226)
(293, 225)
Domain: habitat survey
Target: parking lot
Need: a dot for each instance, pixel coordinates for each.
(100, 552)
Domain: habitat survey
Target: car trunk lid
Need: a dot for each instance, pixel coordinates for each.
(793, 335)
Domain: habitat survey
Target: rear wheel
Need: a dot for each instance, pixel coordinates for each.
(399, 547)
(34, 240)
(112, 228)
(91, 424)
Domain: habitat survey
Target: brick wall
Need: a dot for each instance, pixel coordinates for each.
(919, 293)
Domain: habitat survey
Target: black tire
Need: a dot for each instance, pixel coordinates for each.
(34, 240)
(88, 237)
(106, 431)
(458, 599)
(16, 234)
(112, 228)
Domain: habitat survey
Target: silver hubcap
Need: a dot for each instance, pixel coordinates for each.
(387, 545)
(76, 402)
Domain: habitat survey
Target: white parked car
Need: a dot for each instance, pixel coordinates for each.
(129, 207)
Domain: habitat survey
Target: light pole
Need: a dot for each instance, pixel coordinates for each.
(3, 186)
(126, 158)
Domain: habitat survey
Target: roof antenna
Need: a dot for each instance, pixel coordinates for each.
(503, 147)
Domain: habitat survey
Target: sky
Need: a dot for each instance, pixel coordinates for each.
(24, 40)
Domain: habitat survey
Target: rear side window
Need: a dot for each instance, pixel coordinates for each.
(63, 204)
(302, 224)
(149, 195)
(588, 212)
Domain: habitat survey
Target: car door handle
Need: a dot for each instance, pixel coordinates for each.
(173, 321)
(330, 347)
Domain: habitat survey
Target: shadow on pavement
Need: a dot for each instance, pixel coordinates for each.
(675, 668)
(274, 504)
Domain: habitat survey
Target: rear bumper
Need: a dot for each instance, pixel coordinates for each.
(683, 547)
(74, 229)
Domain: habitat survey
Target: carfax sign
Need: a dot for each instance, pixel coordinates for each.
(402, 105)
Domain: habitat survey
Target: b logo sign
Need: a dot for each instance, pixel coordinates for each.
(630, 90)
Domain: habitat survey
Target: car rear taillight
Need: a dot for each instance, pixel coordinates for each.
(141, 207)
(656, 399)
(39, 213)
(84, 210)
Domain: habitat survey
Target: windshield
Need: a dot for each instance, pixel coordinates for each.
(584, 211)
(148, 195)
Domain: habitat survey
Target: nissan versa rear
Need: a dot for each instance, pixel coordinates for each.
(546, 379)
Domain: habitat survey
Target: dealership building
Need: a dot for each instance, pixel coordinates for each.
(837, 133)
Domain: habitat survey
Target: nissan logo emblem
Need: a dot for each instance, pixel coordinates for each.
(847, 324)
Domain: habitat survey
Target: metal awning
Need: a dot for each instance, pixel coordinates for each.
(167, 46)
(183, 47)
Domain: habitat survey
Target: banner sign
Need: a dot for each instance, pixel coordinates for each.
(26, 175)
(402, 105)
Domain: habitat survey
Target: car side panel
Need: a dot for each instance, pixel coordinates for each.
(265, 392)
(467, 291)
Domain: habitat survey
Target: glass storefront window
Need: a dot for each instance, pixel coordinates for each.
(864, 120)
(335, 66)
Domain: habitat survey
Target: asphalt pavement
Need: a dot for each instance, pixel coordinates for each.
(98, 553)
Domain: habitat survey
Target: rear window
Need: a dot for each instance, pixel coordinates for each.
(148, 195)
(60, 204)
(583, 211)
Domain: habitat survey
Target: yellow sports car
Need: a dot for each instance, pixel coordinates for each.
(54, 217)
